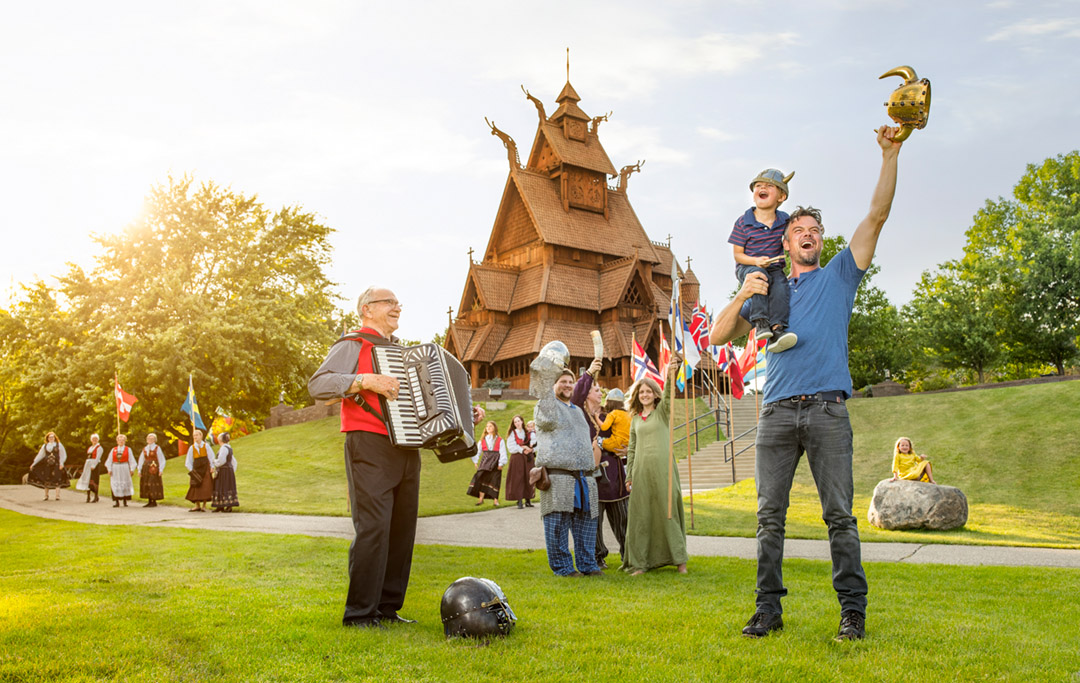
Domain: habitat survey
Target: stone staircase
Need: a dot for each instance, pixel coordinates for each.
(709, 469)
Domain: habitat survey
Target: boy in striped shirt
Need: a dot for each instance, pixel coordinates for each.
(757, 242)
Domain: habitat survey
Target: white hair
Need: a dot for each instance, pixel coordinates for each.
(151, 434)
(366, 297)
(95, 436)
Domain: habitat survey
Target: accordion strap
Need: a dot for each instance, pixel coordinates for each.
(374, 339)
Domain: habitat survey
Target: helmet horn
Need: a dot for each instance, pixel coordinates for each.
(905, 72)
(788, 177)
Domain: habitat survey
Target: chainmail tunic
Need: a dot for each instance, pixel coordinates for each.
(562, 442)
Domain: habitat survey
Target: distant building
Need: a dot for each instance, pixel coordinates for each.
(566, 255)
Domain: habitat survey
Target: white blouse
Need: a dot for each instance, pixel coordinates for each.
(487, 443)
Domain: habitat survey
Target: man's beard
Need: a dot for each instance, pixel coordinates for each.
(810, 260)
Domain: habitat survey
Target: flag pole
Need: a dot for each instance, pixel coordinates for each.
(689, 455)
(116, 383)
(671, 412)
(191, 391)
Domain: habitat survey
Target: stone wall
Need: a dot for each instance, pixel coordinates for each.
(281, 414)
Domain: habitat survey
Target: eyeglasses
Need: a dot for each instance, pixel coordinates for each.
(394, 303)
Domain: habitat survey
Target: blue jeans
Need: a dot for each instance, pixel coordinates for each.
(785, 431)
(773, 307)
(557, 525)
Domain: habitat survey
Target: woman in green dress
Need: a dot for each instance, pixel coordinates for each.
(652, 539)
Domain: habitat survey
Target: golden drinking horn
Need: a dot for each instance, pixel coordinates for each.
(908, 105)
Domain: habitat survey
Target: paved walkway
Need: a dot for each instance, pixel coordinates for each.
(503, 528)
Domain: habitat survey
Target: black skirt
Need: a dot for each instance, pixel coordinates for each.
(48, 474)
(225, 489)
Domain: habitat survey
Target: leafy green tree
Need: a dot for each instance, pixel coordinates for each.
(955, 316)
(207, 283)
(1028, 248)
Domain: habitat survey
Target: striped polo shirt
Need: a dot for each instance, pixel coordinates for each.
(756, 238)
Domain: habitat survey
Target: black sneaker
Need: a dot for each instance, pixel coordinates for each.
(852, 625)
(762, 624)
(783, 341)
(762, 330)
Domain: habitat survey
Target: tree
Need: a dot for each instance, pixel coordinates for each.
(206, 282)
(1029, 249)
(955, 316)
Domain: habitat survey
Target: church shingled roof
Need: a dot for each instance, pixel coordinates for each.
(496, 284)
(618, 235)
(589, 154)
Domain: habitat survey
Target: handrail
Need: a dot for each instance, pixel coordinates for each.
(730, 446)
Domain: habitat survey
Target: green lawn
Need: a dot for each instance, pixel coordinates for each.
(300, 469)
(89, 603)
(1015, 452)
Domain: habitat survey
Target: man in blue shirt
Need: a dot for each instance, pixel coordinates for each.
(804, 408)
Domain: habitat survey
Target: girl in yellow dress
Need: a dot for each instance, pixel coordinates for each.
(907, 464)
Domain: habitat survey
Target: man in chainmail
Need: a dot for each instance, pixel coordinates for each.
(570, 505)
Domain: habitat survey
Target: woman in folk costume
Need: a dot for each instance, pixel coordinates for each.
(907, 464)
(489, 464)
(200, 467)
(225, 483)
(91, 474)
(151, 465)
(121, 463)
(652, 540)
(519, 444)
(47, 470)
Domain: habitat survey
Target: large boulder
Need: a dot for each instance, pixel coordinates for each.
(917, 505)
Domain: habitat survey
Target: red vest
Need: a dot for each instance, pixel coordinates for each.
(120, 456)
(353, 417)
(495, 448)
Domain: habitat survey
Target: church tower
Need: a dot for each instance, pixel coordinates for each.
(566, 255)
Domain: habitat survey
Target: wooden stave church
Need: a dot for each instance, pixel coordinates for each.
(566, 255)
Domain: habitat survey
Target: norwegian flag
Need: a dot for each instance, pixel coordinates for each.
(720, 356)
(699, 327)
(643, 367)
(124, 401)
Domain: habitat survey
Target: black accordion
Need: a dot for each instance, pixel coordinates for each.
(433, 409)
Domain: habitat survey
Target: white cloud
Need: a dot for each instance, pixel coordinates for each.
(717, 134)
(622, 141)
(1034, 28)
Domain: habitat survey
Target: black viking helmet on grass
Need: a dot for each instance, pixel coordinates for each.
(476, 608)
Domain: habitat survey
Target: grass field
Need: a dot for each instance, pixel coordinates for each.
(300, 469)
(91, 603)
(1015, 452)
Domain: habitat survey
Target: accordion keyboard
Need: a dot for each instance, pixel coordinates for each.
(403, 415)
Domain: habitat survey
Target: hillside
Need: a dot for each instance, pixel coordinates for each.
(1015, 452)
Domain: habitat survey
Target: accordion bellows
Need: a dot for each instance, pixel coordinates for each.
(433, 409)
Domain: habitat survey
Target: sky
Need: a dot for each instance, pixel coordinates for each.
(371, 115)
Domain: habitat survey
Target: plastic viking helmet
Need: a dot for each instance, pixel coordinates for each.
(476, 608)
(909, 105)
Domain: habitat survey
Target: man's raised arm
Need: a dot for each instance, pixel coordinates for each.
(864, 241)
(729, 324)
